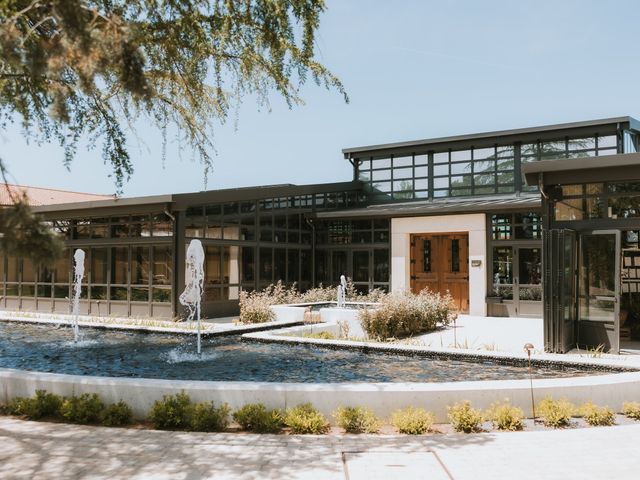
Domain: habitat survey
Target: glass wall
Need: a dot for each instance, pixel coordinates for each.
(515, 252)
(358, 249)
(611, 200)
(472, 171)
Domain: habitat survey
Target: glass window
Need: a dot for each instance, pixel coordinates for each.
(608, 141)
(501, 227)
(28, 271)
(293, 265)
(503, 271)
(426, 256)
(339, 261)
(455, 255)
(441, 157)
(460, 155)
(279, 264)
(381, 265)
(98, 265)
(361, 266)
(162, 226)
(421, 159)
(139, 266)
(266, 265)
(248, 258)
(162, 265)
(402, 161)
(213, 265)
(119, 265)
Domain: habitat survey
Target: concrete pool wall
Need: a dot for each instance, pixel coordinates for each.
(610, 389)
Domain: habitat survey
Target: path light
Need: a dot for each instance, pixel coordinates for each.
(528, 347)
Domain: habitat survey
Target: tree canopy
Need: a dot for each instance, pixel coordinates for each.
(72, 69)
(82, 69)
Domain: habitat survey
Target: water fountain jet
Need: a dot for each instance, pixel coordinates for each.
(78, 273)
(194, 283)
(342, 291)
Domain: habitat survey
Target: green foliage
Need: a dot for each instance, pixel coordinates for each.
(209, 418)
(463, 418)
(412, 421)
(597, 416)
(403, 314)
(306, 419)
(173, 412)
(117, 415)
(87, 408)
(83, 68)
(631, 410)
(506, 417)
(556, 413)
(357, 420)
(41, 405)
(25, 236)
(254, 417)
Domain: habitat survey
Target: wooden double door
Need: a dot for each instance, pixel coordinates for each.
(440, 262)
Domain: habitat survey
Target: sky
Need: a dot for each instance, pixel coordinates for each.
(413, 69)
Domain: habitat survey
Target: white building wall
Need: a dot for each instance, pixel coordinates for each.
(474, 224)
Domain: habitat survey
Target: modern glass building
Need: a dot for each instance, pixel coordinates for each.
(492, 211)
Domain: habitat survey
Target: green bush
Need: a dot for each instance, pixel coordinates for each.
(412, 421)
(255, 417)
(117, 415)
(87, 408)
(173, 412)
(506, 417)
(556, 413)
(404, 314)
(207, 417)
(465, 419)
(357, 420)
(597, 416)
(631, 410)
(41, 405)
(306, 419)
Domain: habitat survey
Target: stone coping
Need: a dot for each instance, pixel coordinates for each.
(143, 325)
(506, 358)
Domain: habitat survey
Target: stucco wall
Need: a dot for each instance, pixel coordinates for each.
(474, 224)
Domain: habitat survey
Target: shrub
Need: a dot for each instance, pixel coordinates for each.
(405, 314)
(207, 417)
(172, 412)
(631, 410)
(412, 421)
(255, 417)
(306, 419)
(597, 416)
(87, 408)
(463, 418)
(42, 404)
(506, 417)
(117, 415)
(556, 413)
(255, 307)
(357, 420)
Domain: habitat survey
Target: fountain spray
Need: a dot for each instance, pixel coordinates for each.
(194, 282)
(78, 273)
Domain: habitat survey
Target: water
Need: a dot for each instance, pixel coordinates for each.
(78, 273)
(147, 355)
(192, 295)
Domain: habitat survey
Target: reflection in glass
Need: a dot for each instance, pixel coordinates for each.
(597, 278)
(361, 266)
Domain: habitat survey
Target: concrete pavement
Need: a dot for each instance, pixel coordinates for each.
(59, 451)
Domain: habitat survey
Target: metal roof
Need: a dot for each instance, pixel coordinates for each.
(633, 124)
(441, 206)
(183, 200)
(44, 196)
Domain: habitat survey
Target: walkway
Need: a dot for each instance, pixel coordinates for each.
(57, 451)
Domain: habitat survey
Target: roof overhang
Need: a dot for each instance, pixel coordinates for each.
(602, 126)
(445, 206)
(625, 166)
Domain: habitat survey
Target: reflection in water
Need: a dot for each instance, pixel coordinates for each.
(149, 355)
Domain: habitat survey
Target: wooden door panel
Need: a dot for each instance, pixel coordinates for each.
(440, 263)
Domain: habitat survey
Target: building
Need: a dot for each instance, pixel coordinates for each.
(474, 215)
